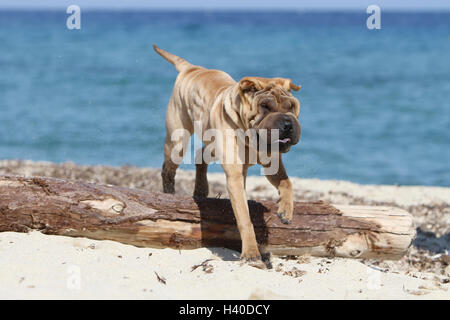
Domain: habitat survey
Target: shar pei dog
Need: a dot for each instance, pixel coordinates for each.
(214, 102)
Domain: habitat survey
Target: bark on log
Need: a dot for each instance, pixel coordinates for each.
(151, 219)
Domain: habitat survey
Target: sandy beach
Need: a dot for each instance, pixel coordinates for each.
(37, 266)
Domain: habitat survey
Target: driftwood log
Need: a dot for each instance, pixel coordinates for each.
(151, 219)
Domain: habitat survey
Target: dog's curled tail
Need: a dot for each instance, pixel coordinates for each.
(179, 63)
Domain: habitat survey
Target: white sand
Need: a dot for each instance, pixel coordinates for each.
(37, 266)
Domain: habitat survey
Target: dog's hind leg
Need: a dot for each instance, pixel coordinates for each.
(169, 170)
(178, 132)
(201, 180)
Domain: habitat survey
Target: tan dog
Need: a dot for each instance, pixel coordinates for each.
(219, 102)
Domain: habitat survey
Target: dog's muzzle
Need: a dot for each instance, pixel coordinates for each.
(283, 130)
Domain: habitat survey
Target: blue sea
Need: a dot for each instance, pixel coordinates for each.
(374, 103)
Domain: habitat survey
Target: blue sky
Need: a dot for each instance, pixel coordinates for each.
(232, 4)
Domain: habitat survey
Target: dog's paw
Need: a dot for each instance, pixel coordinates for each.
(255, 262)
(260, 262)
(253, 258)
(285, 211)
(283, 218)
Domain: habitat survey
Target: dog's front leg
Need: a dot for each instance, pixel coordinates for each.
(236, 191)
(281, 181)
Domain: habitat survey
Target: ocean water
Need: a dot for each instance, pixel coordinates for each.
(374, 104)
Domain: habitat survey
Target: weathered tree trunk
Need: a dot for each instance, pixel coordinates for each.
(151, 219)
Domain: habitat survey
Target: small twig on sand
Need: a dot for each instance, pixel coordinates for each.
(160, 279)
(377, 268)
(203, 264)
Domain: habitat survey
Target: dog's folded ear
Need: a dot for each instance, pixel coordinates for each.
(253, 84)
(249, 84)
(287, 84)
(294, 86)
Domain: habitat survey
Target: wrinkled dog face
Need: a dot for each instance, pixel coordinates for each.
(269, 104)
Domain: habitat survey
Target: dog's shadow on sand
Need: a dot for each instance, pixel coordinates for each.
(225, 254)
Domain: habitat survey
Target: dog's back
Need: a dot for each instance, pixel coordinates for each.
(196, 87)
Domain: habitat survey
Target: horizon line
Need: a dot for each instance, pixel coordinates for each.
(225, 9)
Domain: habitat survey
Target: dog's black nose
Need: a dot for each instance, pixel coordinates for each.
(286, 126)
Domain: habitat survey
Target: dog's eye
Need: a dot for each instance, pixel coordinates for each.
(289, 106)
(266, 106)
(250, 90)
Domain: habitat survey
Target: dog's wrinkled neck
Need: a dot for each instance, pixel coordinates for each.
(233, 110)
